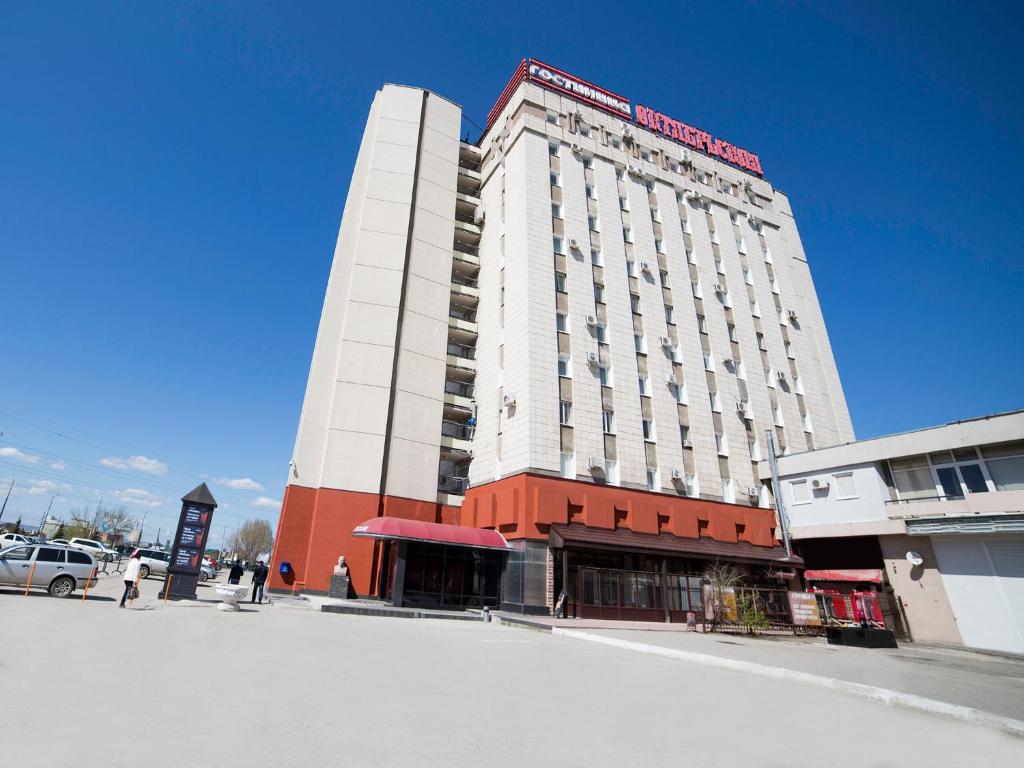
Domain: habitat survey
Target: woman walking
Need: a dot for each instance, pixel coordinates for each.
(131, 575)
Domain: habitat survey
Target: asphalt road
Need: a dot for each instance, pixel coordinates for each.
(187, 685)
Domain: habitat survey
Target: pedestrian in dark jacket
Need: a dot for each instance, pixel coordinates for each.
(236, 572)
(259, 578)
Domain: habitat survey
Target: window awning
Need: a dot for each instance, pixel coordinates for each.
(431, 533)
(869, 575)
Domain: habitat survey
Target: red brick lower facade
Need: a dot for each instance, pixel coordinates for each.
(315, 526)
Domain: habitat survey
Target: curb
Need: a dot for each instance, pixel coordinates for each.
(884, 695)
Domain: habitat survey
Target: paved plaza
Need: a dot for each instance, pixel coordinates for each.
(187, 685)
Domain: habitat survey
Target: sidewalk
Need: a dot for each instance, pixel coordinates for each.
(980, 681)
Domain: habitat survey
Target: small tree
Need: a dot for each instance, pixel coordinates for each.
(252, 540)
(721, 578)
(80, 525)
(17, 525)
(117, 521)
(60, 532)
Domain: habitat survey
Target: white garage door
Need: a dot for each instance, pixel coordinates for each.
(984, 579)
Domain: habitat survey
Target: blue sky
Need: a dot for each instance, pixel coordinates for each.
(172, 178)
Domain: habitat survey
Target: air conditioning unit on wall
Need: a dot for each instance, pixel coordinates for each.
(819, 484)
(595, 464)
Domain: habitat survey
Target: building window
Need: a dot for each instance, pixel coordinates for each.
(560, 282)
(702, 324)
(639, 343)
(684, 435)
(663, 276)
(600, 333)
(645, 155)
(634, 303)
(732, 332)
(627, 234)
(692, 489)
(558, 245)
(659, 246)
(585, 131)
(553, 149)
(630, 267)
(754, 449)
(652, 479)
(1005, 464)
(562, 322)
(568, 465)
(564, 366)
(611, 472)
(846, 488)
(588, 161)
(595, 257)
(619, 173)
(721, 444)
(599, 293)
(678, 393)
(593, 223)
(552, 117)
(589, 189)
(643, 382)
(728, 492)
(556, 210)
(565, 413)
(608, 422)
(604, 375)
(708, 365)
(616, 142)
(913, 478)
(777, 413)
(761, 343)
(800, 492)
(669, 315)
(648, 427)
(556, 180)
(716, 402)
(695, 287)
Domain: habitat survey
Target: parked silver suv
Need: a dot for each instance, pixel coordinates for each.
(59, 570)
(153, 561)
(94, 548)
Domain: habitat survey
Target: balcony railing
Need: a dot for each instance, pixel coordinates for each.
(458, 314)
(456, 430)
(454, 485)
(461, 350)
(459, 388)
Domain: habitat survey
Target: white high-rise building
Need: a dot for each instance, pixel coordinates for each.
(591, 318)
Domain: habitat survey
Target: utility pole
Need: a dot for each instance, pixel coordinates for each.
(142, 527)
(780, 507)
(6, 500)
(96, 519)
(47, 513)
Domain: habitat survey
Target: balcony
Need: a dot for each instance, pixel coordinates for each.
(990, 503)
(466, 204)
(458, 390)
(466, 232)
(468, 179)
(457, 365)
(455, 447)
(465, 294)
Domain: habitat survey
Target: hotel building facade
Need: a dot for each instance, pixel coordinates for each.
(576, 332)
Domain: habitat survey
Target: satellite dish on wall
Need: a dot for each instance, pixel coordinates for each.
(914, 558)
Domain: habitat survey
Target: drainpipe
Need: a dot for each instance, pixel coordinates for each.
(780, 508)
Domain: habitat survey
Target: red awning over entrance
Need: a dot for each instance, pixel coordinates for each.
(432, 533)
(869, 575)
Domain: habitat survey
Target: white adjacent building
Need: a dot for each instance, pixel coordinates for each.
(941, 510)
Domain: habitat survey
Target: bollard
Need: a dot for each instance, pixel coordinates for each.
(92, 575)
(30, 575)
(486, 615)
(167, 587)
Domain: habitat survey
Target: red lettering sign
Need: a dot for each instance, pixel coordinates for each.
(698, 139)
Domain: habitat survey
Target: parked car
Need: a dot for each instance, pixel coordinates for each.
(207, 572)
(10, 539)
(94, 548)
(58, 569)
(58, 541)
(207, 560)
(153, 561)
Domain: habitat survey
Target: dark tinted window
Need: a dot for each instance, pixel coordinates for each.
(78, 557)
(50, 555)
(20, 553)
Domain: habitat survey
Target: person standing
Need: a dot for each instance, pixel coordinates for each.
(259, 578)
(131, 576)
(236, 573)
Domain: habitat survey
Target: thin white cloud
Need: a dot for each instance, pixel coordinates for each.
(138, 463)
(266, 503)
(239, 483)
(139, 497)
(57, 465)
(41, 487)
(8, 452)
